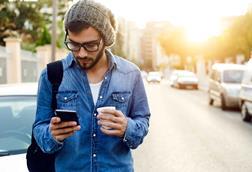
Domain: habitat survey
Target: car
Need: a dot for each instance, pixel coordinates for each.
(144, 75)
(17, 114)
(154, 77)
(245, 101)
(183, 79)
(225, 84)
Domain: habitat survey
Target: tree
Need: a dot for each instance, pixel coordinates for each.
(173, 41)
(20, 18)
(236, 39)
(242, 32)
(117, 48)
(29, 20)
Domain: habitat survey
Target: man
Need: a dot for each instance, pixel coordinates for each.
(93, 78)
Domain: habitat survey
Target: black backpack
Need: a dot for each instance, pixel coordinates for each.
(37, 160)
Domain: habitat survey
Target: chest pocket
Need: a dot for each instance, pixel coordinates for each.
(67, 100)
(120, 100)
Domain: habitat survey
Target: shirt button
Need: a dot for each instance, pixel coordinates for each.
(94, 135)
(94, 155)
(105, 78)
(100, 97)
(65, 98)
(94, 114)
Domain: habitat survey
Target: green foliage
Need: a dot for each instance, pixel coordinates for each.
(45, 38)
(29, 21)
(20, 18)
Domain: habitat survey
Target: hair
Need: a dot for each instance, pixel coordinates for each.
(77, 26)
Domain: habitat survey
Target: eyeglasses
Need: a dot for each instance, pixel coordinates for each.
(91, 46)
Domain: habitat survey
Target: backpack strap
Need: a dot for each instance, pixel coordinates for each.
(37, 161)
(55, 74)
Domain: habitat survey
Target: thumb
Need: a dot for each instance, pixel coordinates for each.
(55, 120)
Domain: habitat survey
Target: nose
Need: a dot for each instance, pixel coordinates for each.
(82, 52)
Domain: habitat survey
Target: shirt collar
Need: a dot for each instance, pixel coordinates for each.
(70, 60)
(111, 59)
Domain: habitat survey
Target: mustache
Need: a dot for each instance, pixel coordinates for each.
(83, 58)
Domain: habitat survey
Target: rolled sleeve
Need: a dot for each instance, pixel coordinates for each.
(138, 121)
(45, 139)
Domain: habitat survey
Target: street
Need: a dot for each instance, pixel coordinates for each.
(188, 135)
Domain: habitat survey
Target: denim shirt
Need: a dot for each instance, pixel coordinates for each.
(90, 150)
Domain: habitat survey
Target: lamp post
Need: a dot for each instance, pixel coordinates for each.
(54, 28)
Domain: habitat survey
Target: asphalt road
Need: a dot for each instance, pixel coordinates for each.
(188, 135)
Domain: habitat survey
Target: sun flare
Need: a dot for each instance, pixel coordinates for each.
(198, 31)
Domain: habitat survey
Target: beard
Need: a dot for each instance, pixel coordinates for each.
(87, 62)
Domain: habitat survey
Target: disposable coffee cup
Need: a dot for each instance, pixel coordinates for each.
(105, 107)
(99, 110)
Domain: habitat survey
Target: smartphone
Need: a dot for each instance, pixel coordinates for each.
(67, 115)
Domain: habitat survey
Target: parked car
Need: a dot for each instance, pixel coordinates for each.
(154, 77)
(225, 84)
(173, 77)
(183, 79)
(144, 75)
(246, 93)
(17, 113)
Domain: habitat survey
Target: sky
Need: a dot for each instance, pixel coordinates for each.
(200, 18)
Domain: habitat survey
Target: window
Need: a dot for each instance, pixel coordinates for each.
(232, 76)
(25, 72)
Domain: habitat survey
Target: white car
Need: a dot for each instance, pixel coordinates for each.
(154, 77)
(225, 85)
(245, 97)
(183, 79)
(17, 113)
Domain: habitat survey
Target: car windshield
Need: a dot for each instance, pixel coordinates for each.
(16, 118)
(232, 76)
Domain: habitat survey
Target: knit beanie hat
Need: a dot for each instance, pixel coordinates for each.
(96, 15)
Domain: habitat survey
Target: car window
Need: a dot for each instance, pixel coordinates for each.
(232, 76)
(17, 114)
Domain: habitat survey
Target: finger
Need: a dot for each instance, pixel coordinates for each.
(63, 136)
(55, 120)
(112, 112)
(110, 124)
(65, 130)
(110, 132)
(64, 125)
(109, 117)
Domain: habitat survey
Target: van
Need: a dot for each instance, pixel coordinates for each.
(225, 84)
(246, 93)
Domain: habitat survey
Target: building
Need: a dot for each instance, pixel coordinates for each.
(152, 52)
(18, 65)
(131, 36)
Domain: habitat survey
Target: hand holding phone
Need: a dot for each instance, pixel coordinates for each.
(64, 128)
(67, 115)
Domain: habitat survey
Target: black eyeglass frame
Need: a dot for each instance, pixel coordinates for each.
(84, 45)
